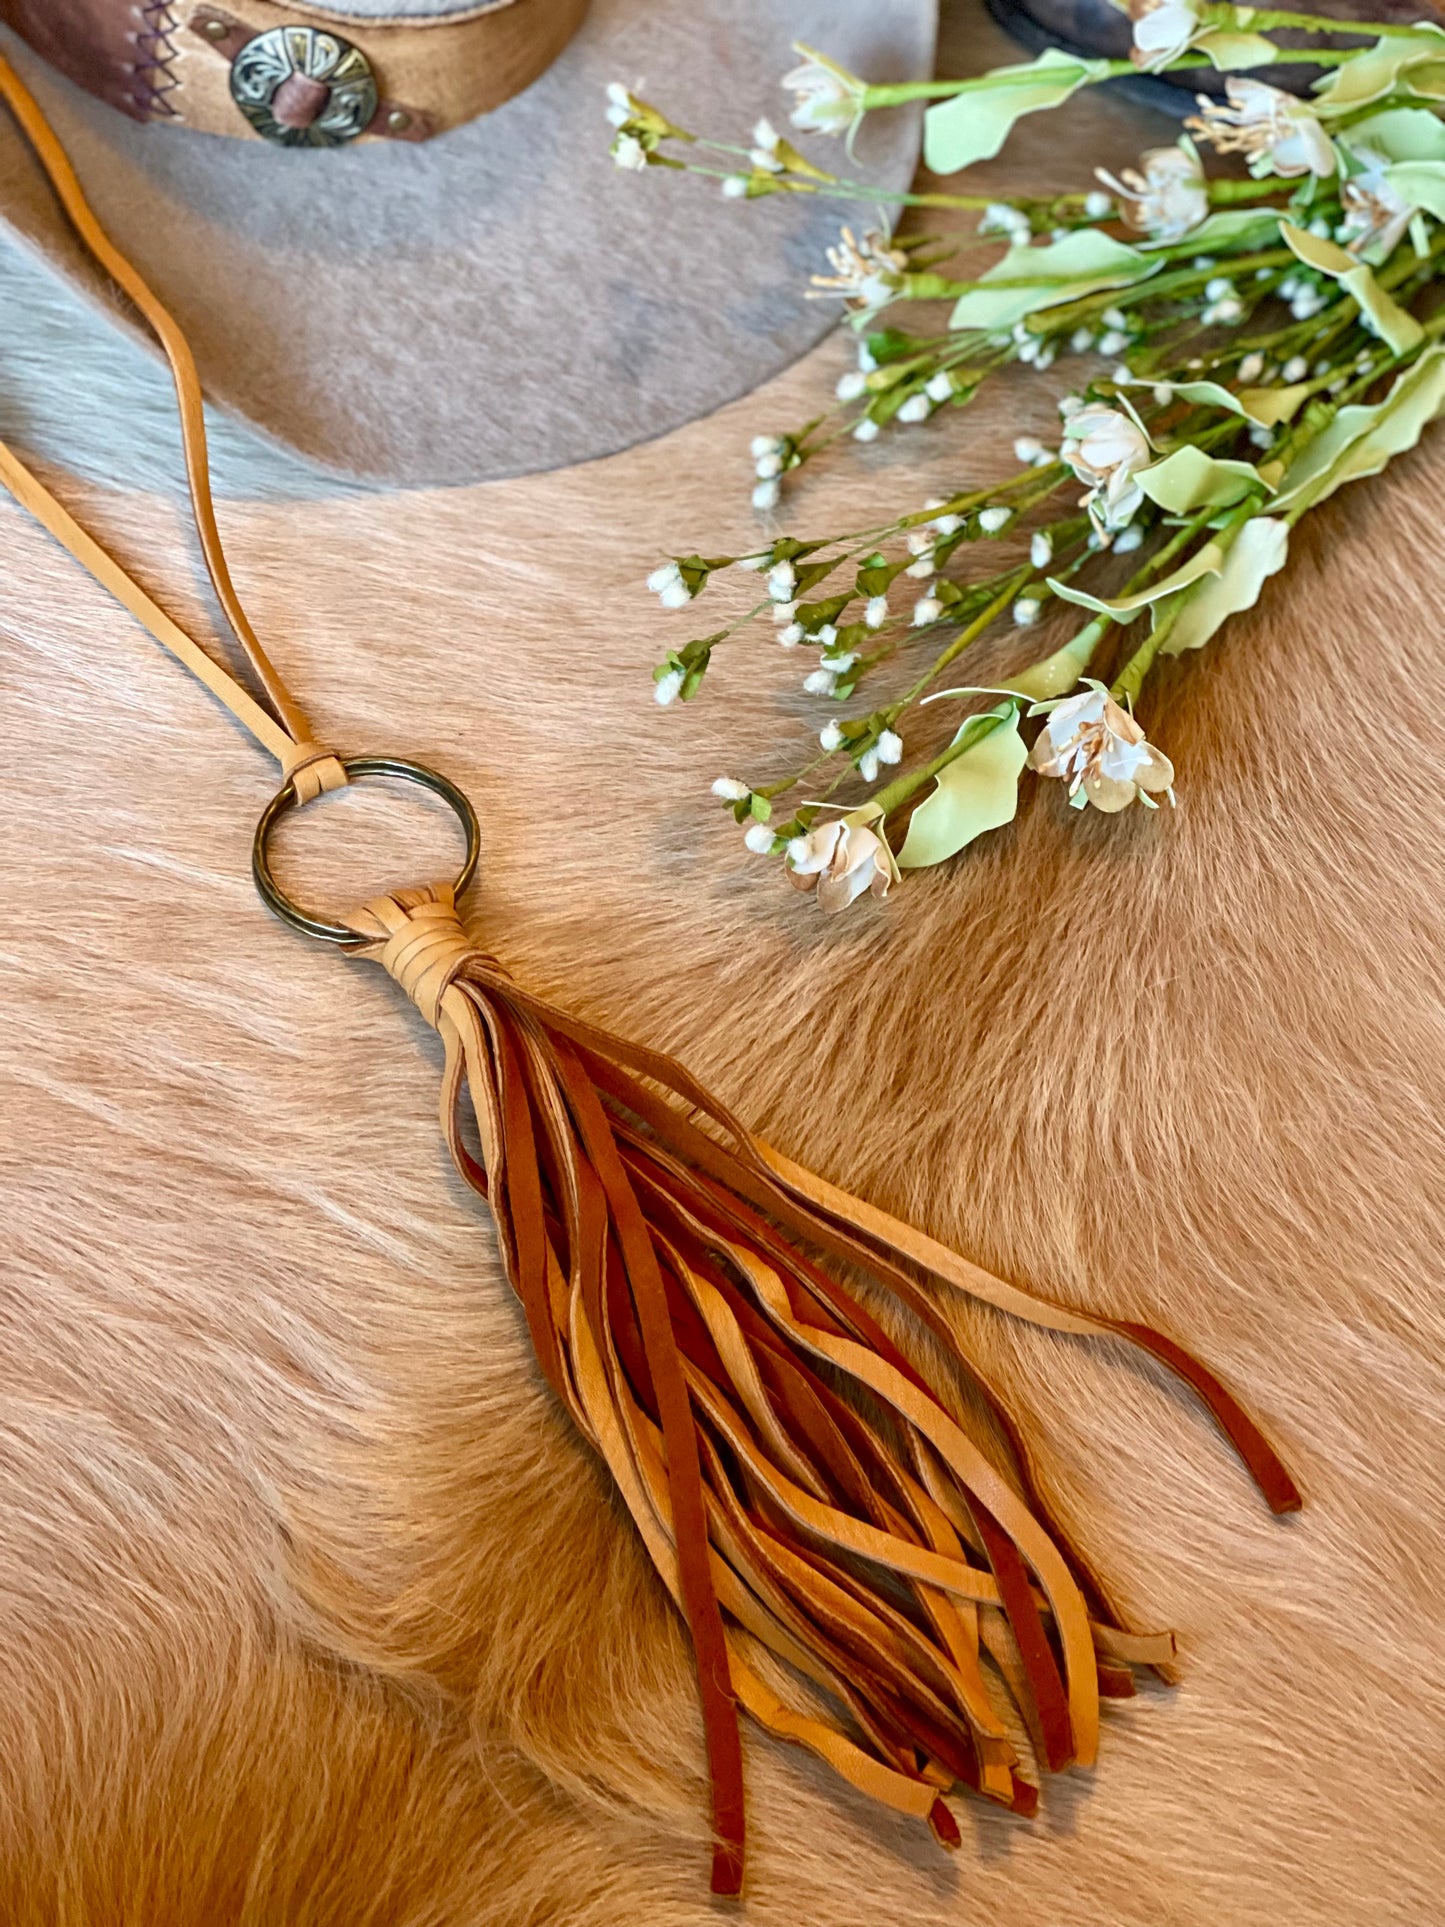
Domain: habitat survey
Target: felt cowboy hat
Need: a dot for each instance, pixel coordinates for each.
(390, 227)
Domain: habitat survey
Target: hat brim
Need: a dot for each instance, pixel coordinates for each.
(501, 299)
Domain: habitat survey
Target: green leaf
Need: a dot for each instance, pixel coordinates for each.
(974, 124)
(1229, 227)
(1057, 674)
(977, 791)
(1256, 553)
(1189, 479)
(1362, 438)
(1208, 560)
(1377, 71)
(1232, 52)
(1395, 325)
(1027, 279)
(1420, 184)
(1269, 406)
(1401, 134)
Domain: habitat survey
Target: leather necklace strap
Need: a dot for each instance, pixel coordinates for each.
(286, 732)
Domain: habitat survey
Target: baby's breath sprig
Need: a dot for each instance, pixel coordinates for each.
(1238, 349)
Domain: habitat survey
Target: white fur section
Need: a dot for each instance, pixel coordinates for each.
(311, 1608)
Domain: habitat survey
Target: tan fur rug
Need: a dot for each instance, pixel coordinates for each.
(312, 1610)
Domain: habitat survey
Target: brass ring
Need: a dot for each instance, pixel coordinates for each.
(276, 899)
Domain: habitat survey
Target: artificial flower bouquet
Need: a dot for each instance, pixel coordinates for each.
(1242, 340)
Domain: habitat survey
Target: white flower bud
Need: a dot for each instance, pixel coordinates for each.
(782, 580)
(1115, 318)
(783, 612)
(790, 637)
(1041, 549)
(920, 541)
(927, 609)
(665, 689)
(1026, 611)
(1295, 369)
(676, 595)
(663, 576)
(1127, 540)
(730, 789)
(826, 636)
(768, 465)
(993, 520)
(820, 682)
(1027, 449)
(1320, 226)
(1081, 341)
(840, 664)
(890, 747)
(1218, 288)
(868, 765)
(1252, 367)
(765, 134)
(1098, 205)
(766, 493)
(753, 563)
(1202, 261)
(923, 568)
(735, 187)
(876, 614)
(762, 445)
(1070, 405)
(1114, 342)
(759, 839)
(917, 408)
(867, 360)
(1260, 436)
(1046, 357)
(629, 154)
(866, 430)
(830, 736)
(939, 387)
(851, 385)
(1163, 394)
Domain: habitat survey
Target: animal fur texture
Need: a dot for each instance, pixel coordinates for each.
(311, 1607)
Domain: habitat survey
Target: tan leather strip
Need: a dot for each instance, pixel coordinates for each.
(433, 72)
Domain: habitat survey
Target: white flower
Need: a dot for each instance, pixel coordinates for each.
(767, 466)
(1099, 750)
(1027, 449)
(1375, 212)
(667, 584)
(765, 148)
(790, 637)
(1295, 369)
(1041, 549)
(782, 580)
(852, 386)
(841, 860)
(830, 736)
(1163, 29)
(927, 609)
(1168, 198)
(993, 520)
(1098, 206)
(820, 682)
(628, 153)
(762, 445)
(939, 387)
(876, 614)
(917, 408)
(867, 273)
(1251, 368)
(766, 493)
(730, 789)
(759, 839)
(1000, 218)
(866, 430)
(735, 187)
(1223, 313)
(946, 524)
(1105, 447)
(665, 689)
(1026, 611)
(621, 107)
(1277, 133)
(827, 98)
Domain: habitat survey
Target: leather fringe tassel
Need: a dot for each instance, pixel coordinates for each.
(802, 1490)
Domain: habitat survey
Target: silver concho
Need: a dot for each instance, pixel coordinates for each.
(265, 64)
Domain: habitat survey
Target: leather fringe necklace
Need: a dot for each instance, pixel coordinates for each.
(799, 1483)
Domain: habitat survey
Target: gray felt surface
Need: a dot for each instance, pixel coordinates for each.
(500, 300)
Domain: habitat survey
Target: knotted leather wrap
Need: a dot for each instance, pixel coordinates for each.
(800, 1485)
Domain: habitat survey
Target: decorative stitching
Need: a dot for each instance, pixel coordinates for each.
(156, 51)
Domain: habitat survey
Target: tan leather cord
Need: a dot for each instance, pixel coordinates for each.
(319, 770)
(800, 1484)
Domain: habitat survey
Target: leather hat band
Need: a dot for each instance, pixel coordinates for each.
(298, 75)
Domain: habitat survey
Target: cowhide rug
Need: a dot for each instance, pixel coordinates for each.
(311, 1607)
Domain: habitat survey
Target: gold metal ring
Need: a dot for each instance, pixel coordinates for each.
(275, 898)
